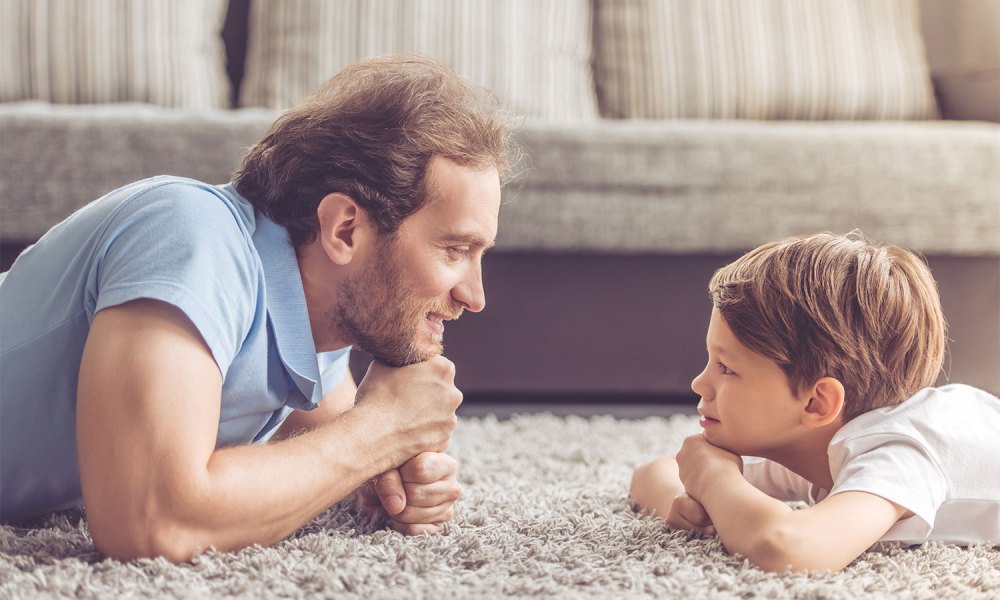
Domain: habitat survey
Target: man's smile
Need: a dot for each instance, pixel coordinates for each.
(436, 323)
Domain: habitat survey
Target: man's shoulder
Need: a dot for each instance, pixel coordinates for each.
(184, 201)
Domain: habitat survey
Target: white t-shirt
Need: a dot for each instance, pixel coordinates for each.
(937, 454)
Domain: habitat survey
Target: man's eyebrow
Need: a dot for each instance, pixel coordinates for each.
(470, 239)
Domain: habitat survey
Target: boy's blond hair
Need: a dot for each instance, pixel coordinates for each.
(838, 306)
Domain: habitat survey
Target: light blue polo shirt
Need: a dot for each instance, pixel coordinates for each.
(201, 248)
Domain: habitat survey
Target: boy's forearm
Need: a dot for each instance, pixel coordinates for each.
(747, 520)
(655, 485)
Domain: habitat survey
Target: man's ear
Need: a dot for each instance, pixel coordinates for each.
(825, 403)
(342, 225)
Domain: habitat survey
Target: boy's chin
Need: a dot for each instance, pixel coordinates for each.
(719, 441)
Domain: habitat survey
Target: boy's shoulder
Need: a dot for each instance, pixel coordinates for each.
(929, 405)
(950, 416)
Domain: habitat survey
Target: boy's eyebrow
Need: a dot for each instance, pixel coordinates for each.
(717, 349)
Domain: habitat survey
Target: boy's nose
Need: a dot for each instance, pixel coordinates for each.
(698, 384)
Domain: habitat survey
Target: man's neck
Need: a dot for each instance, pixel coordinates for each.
(319, 284)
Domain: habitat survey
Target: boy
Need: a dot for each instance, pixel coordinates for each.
(820, 353)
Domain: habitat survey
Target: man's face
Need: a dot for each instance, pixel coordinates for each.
(747, 404)
(427, 273)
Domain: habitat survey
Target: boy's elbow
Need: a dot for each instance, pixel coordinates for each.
(782, 548)
(772, 551)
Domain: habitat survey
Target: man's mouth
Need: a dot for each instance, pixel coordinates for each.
(436, 323)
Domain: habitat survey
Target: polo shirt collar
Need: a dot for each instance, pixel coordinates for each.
(286, 306)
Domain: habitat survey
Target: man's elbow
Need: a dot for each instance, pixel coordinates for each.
(146, 531)
(154, 538)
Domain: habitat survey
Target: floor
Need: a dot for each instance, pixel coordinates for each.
(624, 410)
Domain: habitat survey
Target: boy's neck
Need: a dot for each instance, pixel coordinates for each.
(808, 456)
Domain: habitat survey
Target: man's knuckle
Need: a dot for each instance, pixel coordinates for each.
(421, 471)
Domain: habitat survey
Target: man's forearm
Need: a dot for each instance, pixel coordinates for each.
(261, 494)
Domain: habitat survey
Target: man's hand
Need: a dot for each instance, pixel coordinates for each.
(700, 463)
(416, 402)
(418, 497)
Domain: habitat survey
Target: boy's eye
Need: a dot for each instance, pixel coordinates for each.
(724, 369)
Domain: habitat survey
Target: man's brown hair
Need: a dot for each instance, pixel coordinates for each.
(839, 306)
(369, 132)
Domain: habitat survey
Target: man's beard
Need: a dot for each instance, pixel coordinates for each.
(376, 312)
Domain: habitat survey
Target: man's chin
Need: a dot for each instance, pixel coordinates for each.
(408, 358)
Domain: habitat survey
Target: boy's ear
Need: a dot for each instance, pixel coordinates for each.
(825, 403)
(342, 227)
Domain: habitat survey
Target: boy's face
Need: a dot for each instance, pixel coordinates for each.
(747, 404)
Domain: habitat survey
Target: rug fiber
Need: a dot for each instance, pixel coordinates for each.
(543, 513)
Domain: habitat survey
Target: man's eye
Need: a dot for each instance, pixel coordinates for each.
(724, 369)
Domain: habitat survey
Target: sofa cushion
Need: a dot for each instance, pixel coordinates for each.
(711, 186)
(761, 59)
(64, 156)
(656, 187)
(534, 53)
(97, 51)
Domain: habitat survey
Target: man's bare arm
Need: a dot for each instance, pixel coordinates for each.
(335, 402)
(147, 417)
(431, 477)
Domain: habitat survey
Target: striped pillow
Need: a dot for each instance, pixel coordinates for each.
(761, 59)
(168, 53)
(535, 54)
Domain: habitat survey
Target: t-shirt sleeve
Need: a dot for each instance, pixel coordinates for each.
(896, 468)
(775, 480)
(182, 244)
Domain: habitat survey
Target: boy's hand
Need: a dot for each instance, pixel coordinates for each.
(687, 513)
(700, 463)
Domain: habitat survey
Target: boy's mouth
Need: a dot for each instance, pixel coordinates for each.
(707, 421)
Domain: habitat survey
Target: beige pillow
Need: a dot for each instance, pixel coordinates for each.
(761, 59)
(168, 52)
(535, 54)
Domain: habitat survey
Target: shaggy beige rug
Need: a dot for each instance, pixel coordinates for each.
(544, 513)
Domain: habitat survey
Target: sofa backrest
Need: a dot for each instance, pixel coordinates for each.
(961, 42)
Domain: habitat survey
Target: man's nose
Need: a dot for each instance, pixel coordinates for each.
(469, 292)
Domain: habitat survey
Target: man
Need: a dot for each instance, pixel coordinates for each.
(152, 336)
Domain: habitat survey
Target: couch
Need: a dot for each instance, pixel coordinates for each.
(610, 232)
